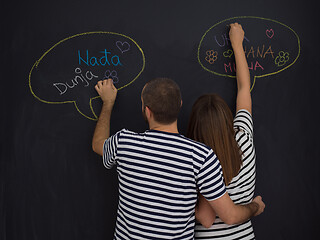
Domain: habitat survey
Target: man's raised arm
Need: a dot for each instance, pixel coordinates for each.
(108, 94)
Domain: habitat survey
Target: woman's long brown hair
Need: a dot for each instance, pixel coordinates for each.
(211, 122)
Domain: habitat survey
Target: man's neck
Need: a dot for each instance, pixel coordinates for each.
(171, 128)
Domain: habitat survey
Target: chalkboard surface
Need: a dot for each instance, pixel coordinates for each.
(52, 184)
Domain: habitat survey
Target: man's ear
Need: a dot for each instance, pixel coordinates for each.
(181, 104)
(148, 112)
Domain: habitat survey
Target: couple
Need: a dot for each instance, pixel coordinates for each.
(167, 180)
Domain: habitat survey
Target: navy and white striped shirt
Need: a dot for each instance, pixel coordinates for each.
(159, 174)
(241, 188)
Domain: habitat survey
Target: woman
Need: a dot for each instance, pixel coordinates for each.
(212, 123)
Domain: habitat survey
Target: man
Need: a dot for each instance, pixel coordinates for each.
(160, 171)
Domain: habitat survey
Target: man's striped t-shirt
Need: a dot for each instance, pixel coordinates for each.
(159, 174)
(241, 188)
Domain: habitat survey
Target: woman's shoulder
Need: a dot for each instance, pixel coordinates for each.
(243, 122)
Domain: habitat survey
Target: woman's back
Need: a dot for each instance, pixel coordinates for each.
(241, 188)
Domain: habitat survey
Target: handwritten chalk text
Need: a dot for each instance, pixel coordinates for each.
(231, 66)
(258, 52)
(223, 40)
(106, 59)
(79, 78)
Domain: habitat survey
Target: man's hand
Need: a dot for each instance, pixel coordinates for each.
(107, 92)
(261, 204)
(236, 35)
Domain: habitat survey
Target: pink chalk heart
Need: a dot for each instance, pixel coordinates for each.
(270, 33)
(123, 46)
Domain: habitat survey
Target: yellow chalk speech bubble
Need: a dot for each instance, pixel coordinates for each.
(69, 70)
(270, 47)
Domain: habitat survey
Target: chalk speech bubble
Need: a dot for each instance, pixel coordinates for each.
(69, 70)
(270, 47)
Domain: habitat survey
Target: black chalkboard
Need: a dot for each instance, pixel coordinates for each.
(52, 184)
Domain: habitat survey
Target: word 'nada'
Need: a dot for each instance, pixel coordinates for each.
(106, 59)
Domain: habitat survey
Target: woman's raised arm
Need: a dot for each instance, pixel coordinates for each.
(236, 35)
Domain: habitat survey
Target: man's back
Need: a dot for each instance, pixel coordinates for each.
(159, 173)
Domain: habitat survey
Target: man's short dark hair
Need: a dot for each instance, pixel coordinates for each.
(163, 97)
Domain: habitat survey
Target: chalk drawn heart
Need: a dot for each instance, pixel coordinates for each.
(228, 53)
(270, 33)
(123, 46)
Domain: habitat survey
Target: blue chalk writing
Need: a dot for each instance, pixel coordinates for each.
(106, 59)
